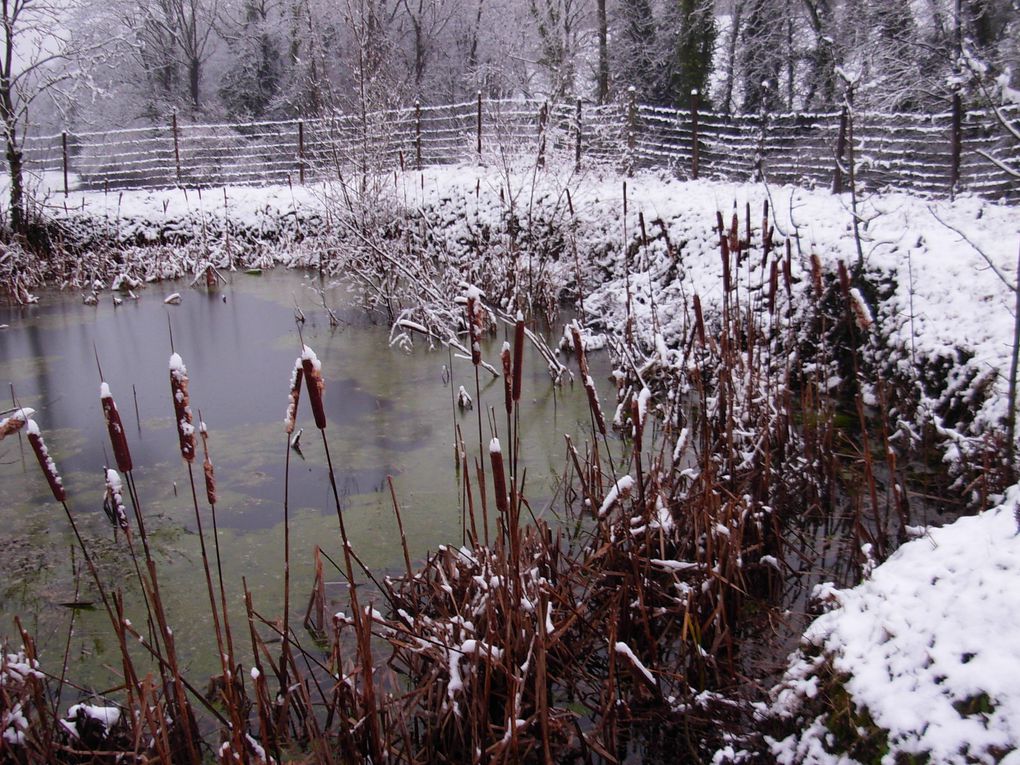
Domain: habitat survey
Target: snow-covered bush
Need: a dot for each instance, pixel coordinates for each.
(920, 663)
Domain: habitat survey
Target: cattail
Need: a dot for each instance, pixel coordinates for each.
(14, 422)
(182, 407)
(475, 316)
(499, 476)
(860, 310)
(735, 232)
(766, 235)
(115, 498)
(593, 404)
(207, 466)
(724, 251)
(844, 278)
(508, 386)
(518, 355)
(42, 454)
(582, 360)
(635, 418)
(699, 320)
(816, 274)
(294, 398)
(115, 427)
(788, 269)
(312, 368)
(773, 285)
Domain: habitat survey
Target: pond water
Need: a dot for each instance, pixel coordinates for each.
(389, 413)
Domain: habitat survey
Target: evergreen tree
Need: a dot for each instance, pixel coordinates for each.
(691, 62)
(638, 54)
(250, 85)
(762, 54)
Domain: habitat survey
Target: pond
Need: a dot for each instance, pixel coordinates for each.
(390, 414)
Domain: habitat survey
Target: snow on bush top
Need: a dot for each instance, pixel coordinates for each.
(928, 646)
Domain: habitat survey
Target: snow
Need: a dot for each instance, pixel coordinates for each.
(933, 630)
(621, 489)
(494, 447)
(307, 354)
(108, 716)
(624, 650)
(177, 365)
(104, 391)
(15, 421)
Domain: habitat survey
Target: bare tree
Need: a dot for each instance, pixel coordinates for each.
(171, 37)
(42, 57)
(428, 19)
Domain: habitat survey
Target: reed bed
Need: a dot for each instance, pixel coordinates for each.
(730, 479)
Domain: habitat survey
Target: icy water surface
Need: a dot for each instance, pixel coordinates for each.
(389, 413)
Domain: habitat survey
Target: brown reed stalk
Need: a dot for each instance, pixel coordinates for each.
(869, 475)
(475, 322)
(400, 525)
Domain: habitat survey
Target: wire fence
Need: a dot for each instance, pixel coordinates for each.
(933, 154)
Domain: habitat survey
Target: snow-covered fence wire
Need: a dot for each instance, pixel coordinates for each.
(907, 151)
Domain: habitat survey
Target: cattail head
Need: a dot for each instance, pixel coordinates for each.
(508, 387)
(724, 253)
(518, 355)
(182, 407)
(475, 319)
(316, 386)
(582, 360)
(290, 418)
(788, 270)
(594, 405)
(207, 466)
(773, 284)
(42, 454)
(699, 320)
(860, 310)
(115, 427)
(14, 421)
(816, 274)
(499, 476)
(844, 278)
(635, 418)
(115, 497)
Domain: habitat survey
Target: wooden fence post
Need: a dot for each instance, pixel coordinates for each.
(301, 151)
(837, 175)
(577, 137)
(63, 146)
(177, 147)
(695, 103)
(417, 134)
(543, 121)
(956, 143)
(631, 127)
(478, 127)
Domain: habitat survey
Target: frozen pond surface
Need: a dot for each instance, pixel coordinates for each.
(389, 413)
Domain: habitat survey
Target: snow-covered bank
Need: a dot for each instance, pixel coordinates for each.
(920, 661)
(943, 309)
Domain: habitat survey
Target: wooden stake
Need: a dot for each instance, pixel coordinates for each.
(301, 151)
(63, 144)
(177, 147)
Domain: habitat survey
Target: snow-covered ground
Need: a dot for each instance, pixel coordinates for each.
(926, 650)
